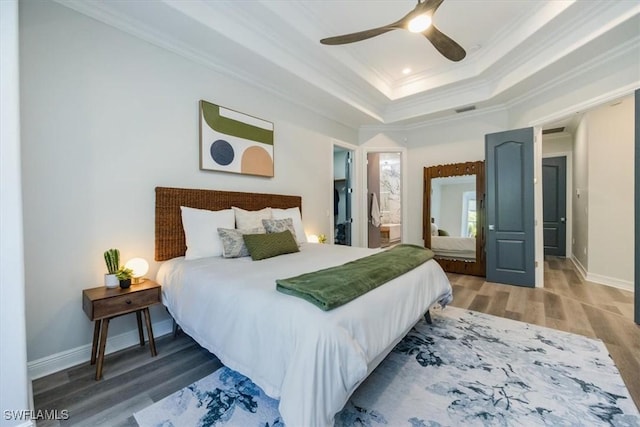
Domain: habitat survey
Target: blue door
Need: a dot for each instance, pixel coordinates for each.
(554, 205)
(510, 207)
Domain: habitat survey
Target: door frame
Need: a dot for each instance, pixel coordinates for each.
(355, 185)
(569, 181)
(637, 206)
(364, 211)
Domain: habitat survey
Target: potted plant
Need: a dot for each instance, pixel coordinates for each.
(112, 259)
(124, 276)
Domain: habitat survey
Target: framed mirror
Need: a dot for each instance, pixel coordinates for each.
(453, 216)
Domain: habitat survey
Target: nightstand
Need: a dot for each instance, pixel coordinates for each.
(102, 304)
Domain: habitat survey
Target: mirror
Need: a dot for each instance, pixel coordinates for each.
(453, 216)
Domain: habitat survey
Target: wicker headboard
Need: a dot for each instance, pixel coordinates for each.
(170, 241)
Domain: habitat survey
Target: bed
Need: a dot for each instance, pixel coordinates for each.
(311, 360)
(454, 247)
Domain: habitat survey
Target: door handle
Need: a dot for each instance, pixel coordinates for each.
(491, 227)
(562, 220)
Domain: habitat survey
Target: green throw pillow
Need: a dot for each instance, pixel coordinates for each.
(442, 233)
(263, 246)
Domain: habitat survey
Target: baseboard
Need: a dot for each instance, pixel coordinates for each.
(579, 267)
(610, 281)
(68, 358)
(602, 280)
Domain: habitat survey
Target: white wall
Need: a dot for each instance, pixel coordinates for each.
(106, 118)
(610, 135)
(14, 384)
(602, 194)
(555, 144)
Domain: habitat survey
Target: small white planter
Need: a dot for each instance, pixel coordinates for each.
(111, 281)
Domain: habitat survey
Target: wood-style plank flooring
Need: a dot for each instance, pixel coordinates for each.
(133, 380)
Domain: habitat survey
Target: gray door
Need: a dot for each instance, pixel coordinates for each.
(554, 205)
(510, 207)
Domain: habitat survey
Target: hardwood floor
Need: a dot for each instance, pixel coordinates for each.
(133, 380)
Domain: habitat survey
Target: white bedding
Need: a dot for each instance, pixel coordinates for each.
(310, 359)
(461, 247)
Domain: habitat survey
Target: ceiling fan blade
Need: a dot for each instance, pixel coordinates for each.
(399, 24)
(430, 5)
(356, 37)
(444, 44)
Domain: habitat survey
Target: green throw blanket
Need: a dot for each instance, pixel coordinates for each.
(332, 287)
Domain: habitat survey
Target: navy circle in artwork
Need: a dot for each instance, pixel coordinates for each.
(222, 152)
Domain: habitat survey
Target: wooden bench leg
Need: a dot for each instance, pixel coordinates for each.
(104, 330)
(96, 337)
(140, 332)
(152, 343)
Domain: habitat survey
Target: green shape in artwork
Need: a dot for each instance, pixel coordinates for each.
(211, 114)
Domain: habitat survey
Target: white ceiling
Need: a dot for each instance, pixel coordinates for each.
(512, 46)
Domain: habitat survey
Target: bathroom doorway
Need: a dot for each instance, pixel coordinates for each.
(342, 195)
(384, 199)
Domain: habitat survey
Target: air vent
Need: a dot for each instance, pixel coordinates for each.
(465, 109)
(552, 130)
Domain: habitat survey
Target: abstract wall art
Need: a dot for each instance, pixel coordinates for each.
(231, 141)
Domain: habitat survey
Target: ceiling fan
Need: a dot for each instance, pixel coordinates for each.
(416, 21)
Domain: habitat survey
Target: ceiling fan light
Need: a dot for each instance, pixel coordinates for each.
(419, 23)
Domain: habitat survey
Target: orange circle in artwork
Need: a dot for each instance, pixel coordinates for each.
(256, 161)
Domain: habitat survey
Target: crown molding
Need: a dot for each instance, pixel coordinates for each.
(109, 16)
(630, 47)
(338, 86)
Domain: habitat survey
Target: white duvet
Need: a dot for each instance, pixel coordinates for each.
(310, 359)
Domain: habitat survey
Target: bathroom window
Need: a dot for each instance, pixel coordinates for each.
(469, 214)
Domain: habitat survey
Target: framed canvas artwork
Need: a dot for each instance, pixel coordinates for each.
(231, 141)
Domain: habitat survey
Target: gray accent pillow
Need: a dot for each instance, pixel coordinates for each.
(279, 225)
(268, 245)
(232, 242)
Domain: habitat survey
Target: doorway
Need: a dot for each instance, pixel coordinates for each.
(554, 205)
(384, 199)
(342, 194)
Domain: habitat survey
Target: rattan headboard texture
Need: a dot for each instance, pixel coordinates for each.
(170, 241)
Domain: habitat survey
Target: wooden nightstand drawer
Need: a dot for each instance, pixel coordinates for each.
(125, 303)
(102, 302)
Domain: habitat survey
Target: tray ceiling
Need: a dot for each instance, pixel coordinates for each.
(275, 45)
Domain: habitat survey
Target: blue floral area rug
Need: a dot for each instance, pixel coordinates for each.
(466, 368)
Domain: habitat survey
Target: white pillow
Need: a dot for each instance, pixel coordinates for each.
(233, 243)
(294, 214)
(251, 219)
(201, 231)
(280, 225)
(434, 229)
